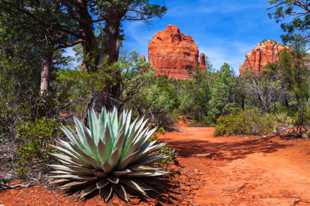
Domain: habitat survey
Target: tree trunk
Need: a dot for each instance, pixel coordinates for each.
(45, 73)
(90, 46)
(112, 33)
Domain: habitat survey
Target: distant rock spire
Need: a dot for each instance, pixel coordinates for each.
(202, 61)
(264, 53)
(174, 54)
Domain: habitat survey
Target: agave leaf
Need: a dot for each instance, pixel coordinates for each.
(109, 156)
(129, 159)
(148, 173)
(139, 135)
(107, 194)
(154, 147)
(141, 126)
(69, 134)
(61, 168)
(81, 158)
(113, 180)
(73, 140)
(101, 151)
(58, 181)
(144, 168)
(124, 193)
(135, 186)
(65, 159)
(68, 151)
(92, 146)
(72, 184)
(145, 153)
(115, 122)
(138, 124)
(126, 121)
(103, 121)
(74, 170)
(91, 121)
(127, 143)
(109, 146)
(67, 176)
(102, 184)
(117, 151)
(148, 136)
(107, 167)
(151, 159)
(122, 173)
(90, 189)
(82, 137)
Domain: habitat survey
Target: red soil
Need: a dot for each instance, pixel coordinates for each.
(216, 171)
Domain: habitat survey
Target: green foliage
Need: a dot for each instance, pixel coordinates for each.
(296, 75)
(33, 140)
(222, 95)
(293, 16)
(74, 89)
(166, 150)
(154, 97)
(247, 122)
(202, 99)
(193, 96)
(113, 155)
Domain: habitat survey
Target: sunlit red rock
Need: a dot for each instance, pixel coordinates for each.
(174, 54)
(265, 53)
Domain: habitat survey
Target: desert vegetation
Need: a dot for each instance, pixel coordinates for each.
(92, 124)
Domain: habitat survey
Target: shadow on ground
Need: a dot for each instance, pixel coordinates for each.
(225, 150)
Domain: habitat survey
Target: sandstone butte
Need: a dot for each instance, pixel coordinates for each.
(174, 54)
(267, 52)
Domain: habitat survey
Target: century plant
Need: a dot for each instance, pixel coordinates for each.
(112, 154)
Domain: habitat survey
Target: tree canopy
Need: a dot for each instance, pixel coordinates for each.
(294, 16)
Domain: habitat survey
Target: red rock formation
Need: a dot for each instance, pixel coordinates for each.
(174, 54)
(265, 53)
(202, 61)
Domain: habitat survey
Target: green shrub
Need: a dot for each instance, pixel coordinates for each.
(155, 98)
(166, 150)
(74, 89)
(169, 153)
(247, 122)
(33, 140)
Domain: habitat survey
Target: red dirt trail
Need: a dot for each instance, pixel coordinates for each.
(222, 171)
(245, 171)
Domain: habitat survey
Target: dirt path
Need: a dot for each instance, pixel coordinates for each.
(244, 171)
(216, 171)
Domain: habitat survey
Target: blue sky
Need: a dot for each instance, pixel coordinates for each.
(225, 30)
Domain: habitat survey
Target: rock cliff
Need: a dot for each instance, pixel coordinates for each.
(173, 54)
(265, 53)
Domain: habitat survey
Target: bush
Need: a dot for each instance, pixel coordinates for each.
(193, 97)
(154, 97)
(247, 122)
(169, 153)
(33, 140)
(166, 150)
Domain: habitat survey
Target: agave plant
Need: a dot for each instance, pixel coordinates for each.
(114, 154)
